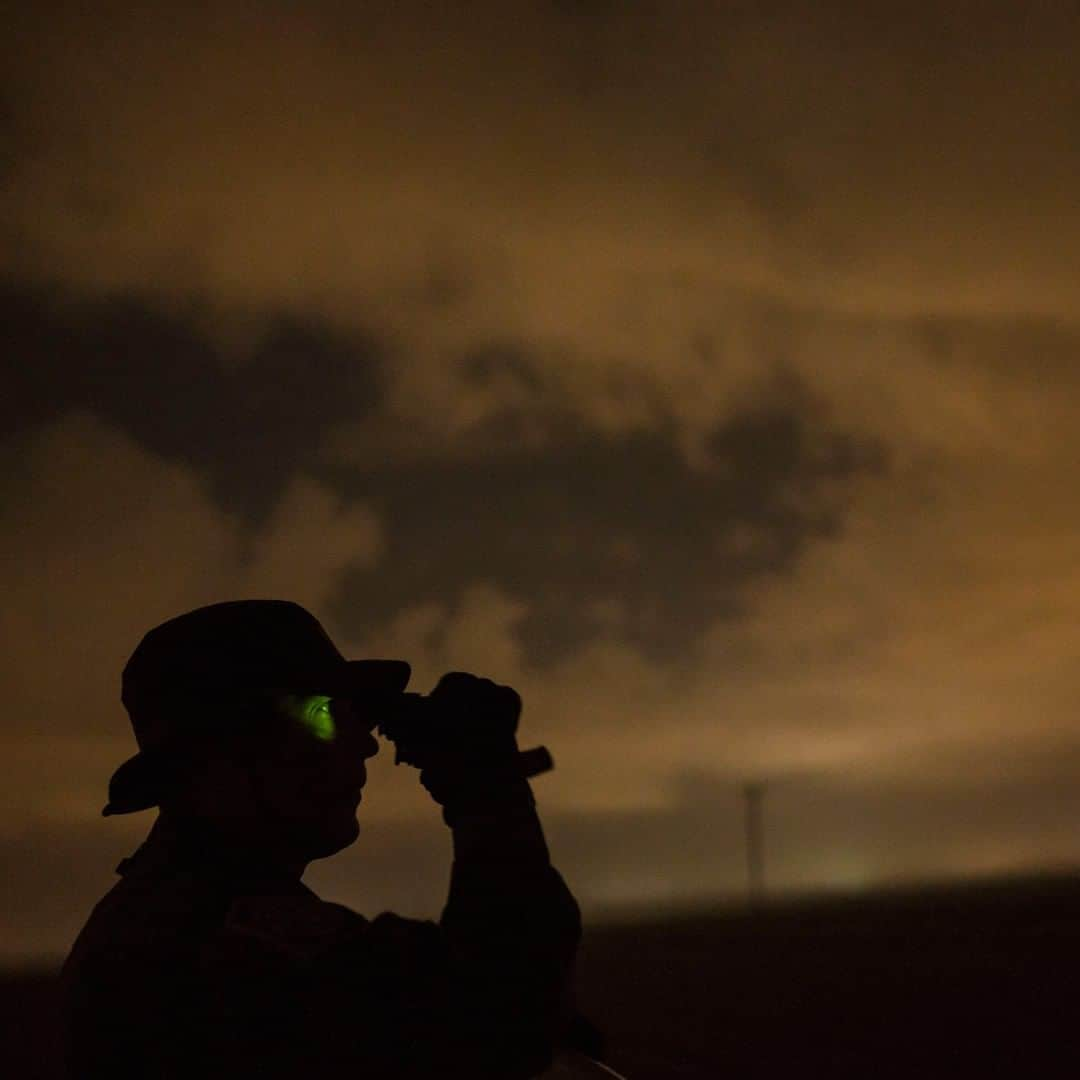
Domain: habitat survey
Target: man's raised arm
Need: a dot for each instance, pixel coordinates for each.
(511, 924)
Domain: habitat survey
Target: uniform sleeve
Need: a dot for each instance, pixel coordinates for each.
(512, 928)
(478, 994)
(483, 992)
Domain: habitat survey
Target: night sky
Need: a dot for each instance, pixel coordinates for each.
(708, 372)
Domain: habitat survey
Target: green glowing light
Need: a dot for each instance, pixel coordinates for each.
(314, 713)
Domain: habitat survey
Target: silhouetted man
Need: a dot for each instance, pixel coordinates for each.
(210, 958)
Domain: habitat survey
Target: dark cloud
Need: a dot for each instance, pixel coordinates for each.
(246, 424)
(502, 360)
(752, 165)
(610, 536)
(349, 137)
(601, 536)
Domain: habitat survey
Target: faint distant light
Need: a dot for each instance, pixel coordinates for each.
(636, 889)
(846, 871)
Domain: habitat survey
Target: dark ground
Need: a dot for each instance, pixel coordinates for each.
(925, 984)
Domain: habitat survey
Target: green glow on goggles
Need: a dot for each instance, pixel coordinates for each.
(312, 711)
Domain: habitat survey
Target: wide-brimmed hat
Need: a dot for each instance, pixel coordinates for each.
(217, 654)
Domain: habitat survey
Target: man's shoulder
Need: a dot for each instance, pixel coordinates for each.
(141, 919)
(300, 930)
(295, 956)
(296, 926)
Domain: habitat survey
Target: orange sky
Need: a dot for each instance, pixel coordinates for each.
(710, 377)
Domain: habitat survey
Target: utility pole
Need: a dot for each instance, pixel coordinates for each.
(753, 795)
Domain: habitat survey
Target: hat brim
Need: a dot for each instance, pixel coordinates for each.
(376, 677)
(138, 783)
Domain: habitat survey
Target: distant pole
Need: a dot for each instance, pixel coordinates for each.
(753, 796)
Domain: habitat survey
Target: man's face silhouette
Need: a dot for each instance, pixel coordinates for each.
(311, 771)
(293, 785)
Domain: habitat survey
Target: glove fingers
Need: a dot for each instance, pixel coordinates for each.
(477, 704)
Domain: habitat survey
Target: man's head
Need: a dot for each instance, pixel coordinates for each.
(250, 720)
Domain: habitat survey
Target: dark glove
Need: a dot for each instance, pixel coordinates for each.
(471, 762)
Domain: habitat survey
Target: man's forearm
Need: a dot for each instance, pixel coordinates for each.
(504, 892)
(515, 927)
(507, 830)
(502, 871)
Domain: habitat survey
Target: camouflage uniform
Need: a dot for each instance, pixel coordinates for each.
(198, 964)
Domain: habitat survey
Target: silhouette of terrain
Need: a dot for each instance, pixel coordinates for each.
(905, 983)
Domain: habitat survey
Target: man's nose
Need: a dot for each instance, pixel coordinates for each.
(370, 746)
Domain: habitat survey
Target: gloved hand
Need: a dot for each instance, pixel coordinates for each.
(471, 761)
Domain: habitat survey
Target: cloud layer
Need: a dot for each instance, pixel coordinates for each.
(710, 376)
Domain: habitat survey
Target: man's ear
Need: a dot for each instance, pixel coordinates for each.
(217, 786)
